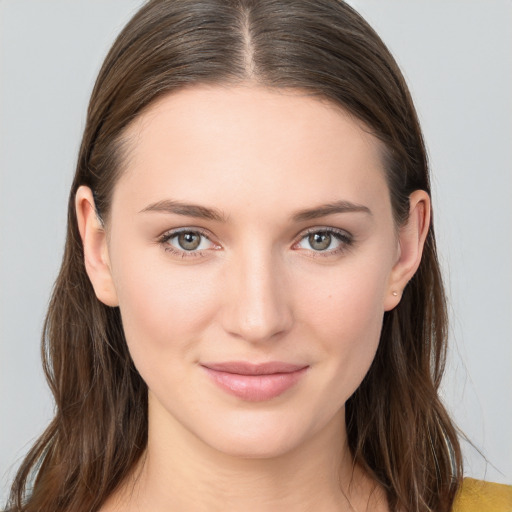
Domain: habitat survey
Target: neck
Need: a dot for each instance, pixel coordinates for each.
(180, 472)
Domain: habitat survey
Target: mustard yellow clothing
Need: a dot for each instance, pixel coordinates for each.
(480, 496)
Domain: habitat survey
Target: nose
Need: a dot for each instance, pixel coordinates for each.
(256, 304)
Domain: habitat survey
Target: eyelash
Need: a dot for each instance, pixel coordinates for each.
(344, 238)
(166, 237)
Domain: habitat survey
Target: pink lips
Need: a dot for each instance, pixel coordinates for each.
(254, 382)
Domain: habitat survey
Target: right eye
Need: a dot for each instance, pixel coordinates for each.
(187, 242)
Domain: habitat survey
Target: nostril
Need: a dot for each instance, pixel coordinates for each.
(255, 295)
(258, 317)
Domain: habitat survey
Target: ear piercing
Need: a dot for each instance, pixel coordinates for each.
(395, 294)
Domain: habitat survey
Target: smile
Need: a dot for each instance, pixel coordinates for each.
(255, 382)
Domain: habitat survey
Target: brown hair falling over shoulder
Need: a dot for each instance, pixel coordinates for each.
(398, 429)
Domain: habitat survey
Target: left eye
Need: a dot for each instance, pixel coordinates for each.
(324, 241)
(189, 241)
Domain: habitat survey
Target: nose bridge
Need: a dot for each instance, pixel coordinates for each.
(257, 307)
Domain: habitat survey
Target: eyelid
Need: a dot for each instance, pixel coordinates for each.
(346, 239)
(171, 233)
(323, 229)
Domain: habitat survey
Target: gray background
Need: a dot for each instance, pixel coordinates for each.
(457, 57)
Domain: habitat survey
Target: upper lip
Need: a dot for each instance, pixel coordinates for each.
(245, 368)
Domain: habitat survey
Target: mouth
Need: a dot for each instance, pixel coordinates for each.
(255, 382)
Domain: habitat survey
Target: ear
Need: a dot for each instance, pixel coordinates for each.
(94, 240)
(412, 237)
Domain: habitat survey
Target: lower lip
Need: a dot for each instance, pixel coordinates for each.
(255, 388)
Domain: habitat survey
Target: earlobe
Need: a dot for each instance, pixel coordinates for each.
(94, 240)
(412, 238)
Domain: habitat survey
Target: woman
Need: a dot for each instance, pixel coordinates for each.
(250, 303)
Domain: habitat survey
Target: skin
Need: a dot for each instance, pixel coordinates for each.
(257, 290)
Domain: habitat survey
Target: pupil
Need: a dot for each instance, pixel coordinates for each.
(320, 241)
(189, 241)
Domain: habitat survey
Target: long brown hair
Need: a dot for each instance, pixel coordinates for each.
(398, 429)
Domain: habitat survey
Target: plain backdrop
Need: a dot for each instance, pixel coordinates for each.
(457, 58)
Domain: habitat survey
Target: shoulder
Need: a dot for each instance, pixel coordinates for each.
(481, 496)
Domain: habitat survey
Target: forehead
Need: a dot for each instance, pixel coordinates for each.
(233, 146)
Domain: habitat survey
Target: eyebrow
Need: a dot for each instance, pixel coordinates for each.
(330, 209)
(188, 210)
(203, 212)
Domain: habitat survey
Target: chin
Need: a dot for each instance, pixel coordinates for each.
(264, 435)
(256, 446)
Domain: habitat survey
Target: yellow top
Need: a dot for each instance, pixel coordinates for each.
(480, 496)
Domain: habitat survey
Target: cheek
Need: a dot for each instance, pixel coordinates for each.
(164, 310)
(344, 310)
(347, 298)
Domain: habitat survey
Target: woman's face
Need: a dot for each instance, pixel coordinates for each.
(252, 252)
